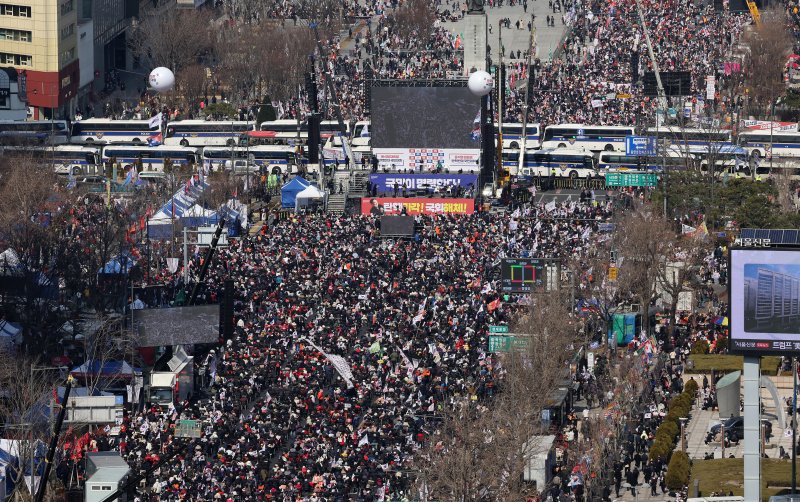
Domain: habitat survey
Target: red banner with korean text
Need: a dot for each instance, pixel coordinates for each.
(414, 206)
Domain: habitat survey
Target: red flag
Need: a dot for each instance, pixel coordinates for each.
(493, 305)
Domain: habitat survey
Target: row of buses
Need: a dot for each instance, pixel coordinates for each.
(89, 159)
(201, 133)
(566, 147)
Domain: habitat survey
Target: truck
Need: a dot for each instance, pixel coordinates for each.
(175, 385)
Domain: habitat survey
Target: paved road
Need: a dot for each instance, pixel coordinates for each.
(547, 38)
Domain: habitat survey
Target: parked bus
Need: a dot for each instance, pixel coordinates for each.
(586, 137)
(560, 163)
(760, 144)
(361, 134)
(282, 156)
(692, 140)
(33, 132)
(619, 162)
(205, 132)
(290, 131)
(512, 136)
(109, 131)
(75, 159)
(152, 157)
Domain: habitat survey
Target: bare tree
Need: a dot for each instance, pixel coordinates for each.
(173, 38)
(769, 46)
(482, 449)
(25, 398)
(192, 85)
(414, 21)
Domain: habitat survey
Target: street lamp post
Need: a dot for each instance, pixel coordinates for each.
(683, 433)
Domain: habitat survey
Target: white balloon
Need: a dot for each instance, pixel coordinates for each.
(480, 83)
(162, 79)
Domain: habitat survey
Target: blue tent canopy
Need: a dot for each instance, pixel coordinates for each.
(291, 189)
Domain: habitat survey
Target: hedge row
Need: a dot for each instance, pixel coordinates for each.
(667, 433)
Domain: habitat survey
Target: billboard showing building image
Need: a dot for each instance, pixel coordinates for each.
(765, 300)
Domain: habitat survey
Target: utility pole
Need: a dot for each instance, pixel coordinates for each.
(662, 96)
(526, 104)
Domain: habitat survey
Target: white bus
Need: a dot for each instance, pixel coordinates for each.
(692, 140)
(559, 162)
(75, 159)
(290, 130)
(586, 137)
(282, 156)
(205, 132)
(152, 157)
(361, 134)
(108, 131)
(34, 132)
(759, 144)
(673, 160)
(512, 136)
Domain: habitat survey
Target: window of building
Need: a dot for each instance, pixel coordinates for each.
(66, 81)
(16, 59)
(67, 7)
(67, 31)
(14, 10)
(67, 56)
(15, 35)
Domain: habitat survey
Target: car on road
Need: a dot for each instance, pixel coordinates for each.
(734, 428)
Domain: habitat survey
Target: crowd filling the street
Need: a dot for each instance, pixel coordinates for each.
(400, 323)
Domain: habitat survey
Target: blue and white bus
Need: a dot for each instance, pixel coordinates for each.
(586, 137)
(107, 131)
(619, 162)
(75, 159)
(152, 157)
(512, 136)
(206, 133)
(219, 158)
(691, 140)
(781, 144)
(560, 163)
(33, 132)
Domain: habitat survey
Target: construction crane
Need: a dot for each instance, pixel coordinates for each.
(751, 4)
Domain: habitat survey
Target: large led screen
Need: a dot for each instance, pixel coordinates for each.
(423, 117)
(765, 300)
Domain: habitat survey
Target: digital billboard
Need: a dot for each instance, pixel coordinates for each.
(524, 275)
(416, 116)
(764, 300)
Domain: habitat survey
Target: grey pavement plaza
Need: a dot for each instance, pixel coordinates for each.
(547, 38)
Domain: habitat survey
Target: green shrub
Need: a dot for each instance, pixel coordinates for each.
(691, 387)
(669, 429)
(661, 448)
(678, 471)
(700, 347)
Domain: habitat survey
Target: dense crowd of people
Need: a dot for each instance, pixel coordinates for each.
(409, 318)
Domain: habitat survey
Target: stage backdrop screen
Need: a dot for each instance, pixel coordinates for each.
(423, 117)
(765, 300)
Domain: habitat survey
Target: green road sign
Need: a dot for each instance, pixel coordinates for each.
(498, 329)
(631, 180)
(188, 429)
(504, 343)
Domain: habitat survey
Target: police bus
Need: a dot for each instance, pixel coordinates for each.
(586, 137)
(206, 132)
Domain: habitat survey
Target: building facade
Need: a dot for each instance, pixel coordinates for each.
(38, 38)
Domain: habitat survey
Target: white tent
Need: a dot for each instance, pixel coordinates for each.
(197, 211)
(306, 195)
